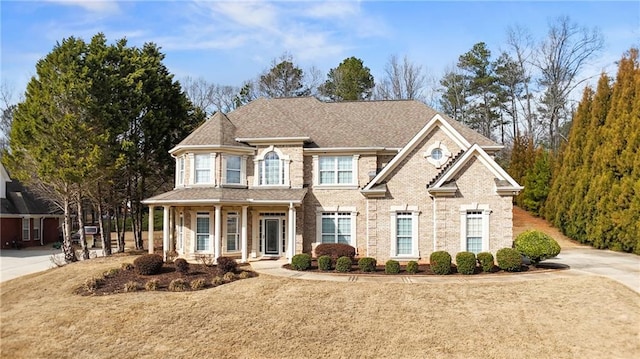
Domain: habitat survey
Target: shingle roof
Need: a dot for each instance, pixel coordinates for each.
(389, 124)
(210, 194)
(20, 201)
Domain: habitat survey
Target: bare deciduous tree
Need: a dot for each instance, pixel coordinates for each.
(209, 97)
(402, 80)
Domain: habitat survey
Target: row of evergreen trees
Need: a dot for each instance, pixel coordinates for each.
(591, 188)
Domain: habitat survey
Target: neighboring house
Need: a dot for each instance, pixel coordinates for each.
(394, 179)
(25, 220)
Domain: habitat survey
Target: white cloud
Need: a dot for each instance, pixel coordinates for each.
(104, 7)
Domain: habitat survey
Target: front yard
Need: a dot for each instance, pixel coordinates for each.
(268, 317)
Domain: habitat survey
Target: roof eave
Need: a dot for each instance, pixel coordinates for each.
(274, 140)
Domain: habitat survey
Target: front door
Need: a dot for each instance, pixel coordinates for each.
(271, 236)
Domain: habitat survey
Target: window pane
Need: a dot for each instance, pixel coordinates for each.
(344, 163)
(326, 177)
(328, 238)
(404, 233)
(474, 231)
(344, 226)
(272, 168)
(344, 239)
(327, 163)
(233, 176)
(474, 244)
(344, 177)
(328, 226)
(233, 162)
(203, 169)
(202, 233)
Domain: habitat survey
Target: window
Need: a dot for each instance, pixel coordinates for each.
(336, 227)
(180, 171)
(25, 229)
(436, 154)
(404, 232)
(203, 168)
(474, 232)
(36, 229)
(180, 243)
(336, 170)
(202, 231)
(270, 171)
(233, 171)
(233, 235)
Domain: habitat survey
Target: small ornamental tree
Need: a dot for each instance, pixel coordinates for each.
(537, 246)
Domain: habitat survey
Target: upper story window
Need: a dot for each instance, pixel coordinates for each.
(202, 164)
(180, 165)
(233, 170)
(437, 154)
(272, 168)
(336, 170)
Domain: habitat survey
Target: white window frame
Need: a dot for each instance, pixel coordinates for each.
(180, 239)
(485, 211)
(180, 168)
(337, 212)
(354, 172)
(236, 216)
(36, 229)
(202, 214)
(243, 171)
(260, 170)
(413, 213)
(445, 154)
(212, 169)
(26, 229)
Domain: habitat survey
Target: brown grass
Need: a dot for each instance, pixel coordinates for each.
(268, 317)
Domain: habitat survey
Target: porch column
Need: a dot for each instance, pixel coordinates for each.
(243, 234)
(165, 232)
(150, 229)
(171, 226)
(217, 232)
(292, 232)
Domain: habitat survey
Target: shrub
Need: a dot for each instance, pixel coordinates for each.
(182, 266)
(131, 286)
(486, 261)
(536, 245)
(367, 264)
(205, 259)
(466, 262)
(509, 259)
(343, 264)
(412, 267)
(301, 261)
(244, 275)
(178, 285)
(217, 280)
(151, 285)
(127, 266)
(148, 264)
(93, 283)
(111, 273)
(226, 265)
(335, 250)
(198, 284)
(324, 263)
(440, 262)
(229, 277)
(392, 267)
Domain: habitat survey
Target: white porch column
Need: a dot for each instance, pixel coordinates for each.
(243, 235)
(171, 227)
(217, 232)
(165, 232)
(150, 229)
(292, 232)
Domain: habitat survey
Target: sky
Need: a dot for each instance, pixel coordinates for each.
(230, 42)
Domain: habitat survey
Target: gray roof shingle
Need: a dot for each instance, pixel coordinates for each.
(242, 195)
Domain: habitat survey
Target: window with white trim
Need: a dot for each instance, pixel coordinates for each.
(335, 170)
(203, 231)
(25, 229)
(180, 171)
(474, 232)
(271, 168)
(336, 227)
(202, 164)
(233, 169)
(36, 229)
(474, 228)
(404, 232)
(233, 233)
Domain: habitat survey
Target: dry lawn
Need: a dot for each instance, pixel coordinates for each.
(268, 317)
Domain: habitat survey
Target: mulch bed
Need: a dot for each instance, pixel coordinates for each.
(112, 283)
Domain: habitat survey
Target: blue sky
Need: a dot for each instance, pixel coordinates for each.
(230, 42)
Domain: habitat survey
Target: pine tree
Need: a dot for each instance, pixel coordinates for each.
(536, 183)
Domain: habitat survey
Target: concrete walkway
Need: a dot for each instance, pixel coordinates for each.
(621, 267)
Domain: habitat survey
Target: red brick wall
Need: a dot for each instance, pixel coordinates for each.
(10, 229)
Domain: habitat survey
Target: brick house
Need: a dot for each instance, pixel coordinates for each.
(394, 179)
(25, 220)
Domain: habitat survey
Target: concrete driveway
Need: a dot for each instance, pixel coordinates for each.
(18, 262)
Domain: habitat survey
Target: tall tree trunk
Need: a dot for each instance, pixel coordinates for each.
(67, 248)
(83, 238)
(104, 237)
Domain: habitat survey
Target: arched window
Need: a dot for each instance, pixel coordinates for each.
(272, 168)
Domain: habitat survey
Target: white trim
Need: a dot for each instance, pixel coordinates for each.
(194, 226)
(180, 239)
(225, 235)
(180, 171)
(414, 213)
(464, 209)
(354, 172)
(343, 150)
(28, 229)
(217, 225)
(240, 149)
(212, 169)
(446, 154)
(335, 210)
(243, 235)
(278, 140)
(259, 164)
(243, 170)
(166, 246)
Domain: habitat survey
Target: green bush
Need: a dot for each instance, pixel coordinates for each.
(440, 262)
(486, 261)
(182, 266)
(392, 267)
(367, 264)
(148, 264)
(301, 261)
(509, 259)
(178, 285)
(343, 264)
(225, 265)
(537, 246)
(335, 250)
(412, 267)
(324, 263)
(466, 262)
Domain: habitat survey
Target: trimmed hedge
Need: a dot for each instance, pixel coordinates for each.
(343, 264)
(412, 267)
(537, 246)
(509, 259)
(440, 262)
(367, 264)
(485, 259)
(335, 250)
(225, 265)
(324, 263)
(148, 264)
(466, 262)
(301, 261)
(392, 267)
